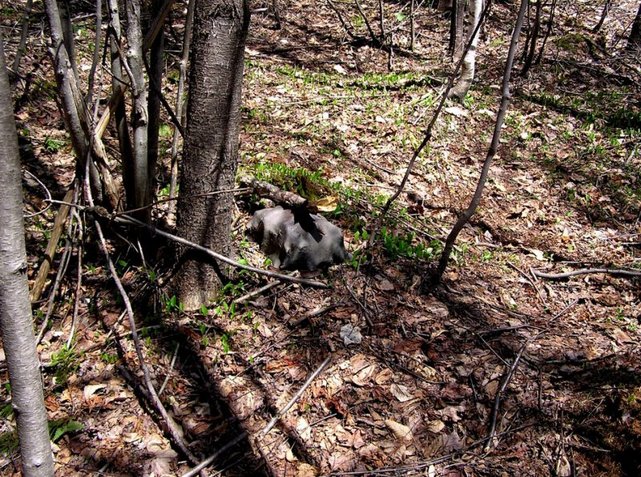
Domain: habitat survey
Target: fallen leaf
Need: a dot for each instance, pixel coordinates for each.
(401, 431)
(327, 204)
(92, 389)
(435, 426)
(457, 111)
(401, 392)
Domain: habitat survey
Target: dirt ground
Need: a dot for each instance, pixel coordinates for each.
(497, 372)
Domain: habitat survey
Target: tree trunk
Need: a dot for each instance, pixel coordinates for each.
(211, 143)
(139, 114)
(180, 103)
(15, 307)
(634, 40)
(469, 63)
(120, 113)
(156, 69)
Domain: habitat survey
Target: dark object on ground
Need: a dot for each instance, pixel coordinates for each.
(291, 246)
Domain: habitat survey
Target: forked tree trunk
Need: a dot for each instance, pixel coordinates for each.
(15, 308)
(469, 63)
(211, 143)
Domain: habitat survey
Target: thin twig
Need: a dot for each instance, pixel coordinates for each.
(168, 421)
(499, 392)
(47, 193)
(530, 281)
(586, 271)
(253, 293)
(214, 456)
(171, 367)
(296, 396)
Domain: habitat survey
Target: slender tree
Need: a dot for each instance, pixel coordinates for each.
(480, 185)
(634, 40)
(15, 308)
(211, 143)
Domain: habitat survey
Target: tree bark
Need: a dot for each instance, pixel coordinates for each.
(634, 40)
(180, 96)
(469, 63)
(211, 143)
(139, 115)
(15, 307)
(156, 69)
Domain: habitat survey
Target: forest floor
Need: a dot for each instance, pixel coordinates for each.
(496, 372)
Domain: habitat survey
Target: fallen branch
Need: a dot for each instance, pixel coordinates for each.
(248, 296)
(499, 392)
(296, 396)
(215, 455)
(172, 428)
(125, 219)
(586, 271)
(50, 252)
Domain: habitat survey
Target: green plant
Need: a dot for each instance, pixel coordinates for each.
(64, 362)
(109, 358)
(60, 427)
(397, 246)
(172, 305)
(53, 145)
(6, 411)
(224, 341)
(8, 442)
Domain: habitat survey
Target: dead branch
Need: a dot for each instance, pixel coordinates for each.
(530, 281)
(375, 40)
(215, 455)
(296, 396)
(171, 426)
(341, 19)
(586, 271)
(47, 194)
(279, 196)
(248, 296)
(125, 219)
(50, 252)
(506, 380)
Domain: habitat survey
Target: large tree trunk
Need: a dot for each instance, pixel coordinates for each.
(15, 308)
(211, 143)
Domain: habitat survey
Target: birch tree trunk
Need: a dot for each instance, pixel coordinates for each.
(469, 63)
(211, 143)
(15, 307)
